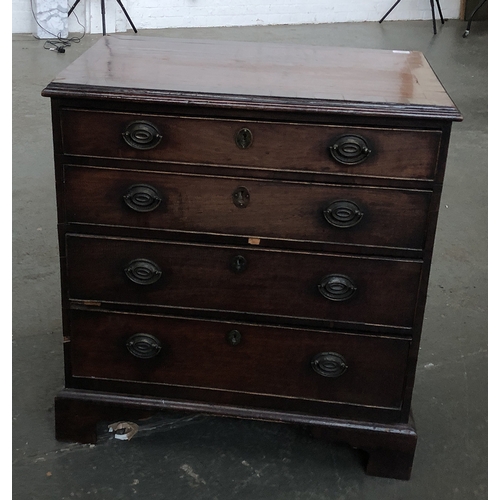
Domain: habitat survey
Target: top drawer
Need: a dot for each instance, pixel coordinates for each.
(370, 152)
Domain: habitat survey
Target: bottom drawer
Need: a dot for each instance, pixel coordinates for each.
(293, 363)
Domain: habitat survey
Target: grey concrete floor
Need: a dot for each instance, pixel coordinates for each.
(209, 458)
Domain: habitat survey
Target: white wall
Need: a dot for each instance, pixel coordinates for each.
(151, 14)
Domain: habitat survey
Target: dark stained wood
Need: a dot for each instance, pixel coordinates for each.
(292, 114)
(197, 354)
(285, 146)
(200, 276)
(294, 211)
(216, 397)
(391, 447)
(282, 74)
(296, 100)
(390, 450)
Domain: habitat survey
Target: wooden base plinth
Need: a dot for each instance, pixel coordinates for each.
(390, 448)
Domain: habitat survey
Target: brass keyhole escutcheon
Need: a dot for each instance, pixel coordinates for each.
(233, 337)
(238, 264)
(241, 197)
(244, 138)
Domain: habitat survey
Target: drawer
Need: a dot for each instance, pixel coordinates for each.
(243, 279)
(373, 152)
(335, 367)
(234, 206)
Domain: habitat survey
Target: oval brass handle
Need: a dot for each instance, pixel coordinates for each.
(343, 214)
(143, 271)
(329, 364)
(337, 287)
(142, 135)
(142, 198)
(350, 149)
(143, 345)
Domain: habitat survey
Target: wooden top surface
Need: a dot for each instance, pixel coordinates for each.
(262, 74)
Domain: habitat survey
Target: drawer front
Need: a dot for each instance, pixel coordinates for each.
(243, 207)
(249, 280)
(356, 369)
(389, 153)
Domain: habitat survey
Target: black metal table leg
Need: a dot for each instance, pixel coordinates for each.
(432, 9)
(126, 15)
(103, 15)
(388, 12)
(440, 11)
(73, 7)
(433, 17)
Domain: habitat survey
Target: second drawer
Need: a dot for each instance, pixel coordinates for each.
(336, 288)
(374, 217)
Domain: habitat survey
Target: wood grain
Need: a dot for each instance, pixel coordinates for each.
(395, 153)
(277, 210)
(276, 283)
(254, 72)
(273, 361)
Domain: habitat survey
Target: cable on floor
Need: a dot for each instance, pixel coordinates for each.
(58, 43)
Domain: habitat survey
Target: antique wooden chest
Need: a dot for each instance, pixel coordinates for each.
(246, 230)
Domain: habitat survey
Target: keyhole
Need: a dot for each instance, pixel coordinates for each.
(238, 264)
(241, 197)
(233, 337)
(244, 138)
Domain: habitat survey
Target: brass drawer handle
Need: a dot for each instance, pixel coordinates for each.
(143, 271)
(350, 149)
(142, 135)
(143, 345)
(329, 364)
(142, 198)
(337, 287)
(343, 214)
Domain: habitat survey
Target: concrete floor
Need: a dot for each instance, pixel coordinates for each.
(209, 458)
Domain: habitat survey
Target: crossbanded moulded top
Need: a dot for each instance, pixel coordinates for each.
(260, 75)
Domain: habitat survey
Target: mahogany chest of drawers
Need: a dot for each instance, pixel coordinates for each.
(246, 230)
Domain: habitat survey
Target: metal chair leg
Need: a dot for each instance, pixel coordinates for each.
(466, 33)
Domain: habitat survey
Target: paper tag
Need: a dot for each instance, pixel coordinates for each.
(254, 241)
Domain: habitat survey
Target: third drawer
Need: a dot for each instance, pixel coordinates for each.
(338, 289)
